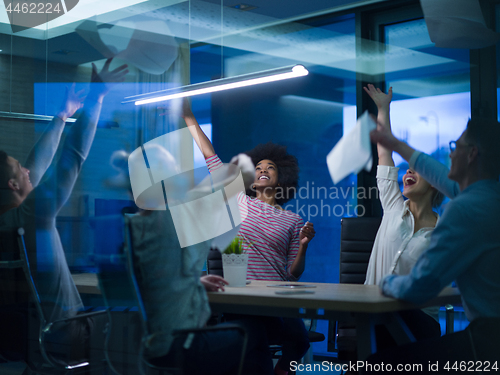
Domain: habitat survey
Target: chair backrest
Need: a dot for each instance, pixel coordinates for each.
(18, 287)
(14, 289)
(14, 293)
(18, 295)
(214, 263)
(356, 242)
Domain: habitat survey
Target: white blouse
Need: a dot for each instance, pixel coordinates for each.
(396, 248)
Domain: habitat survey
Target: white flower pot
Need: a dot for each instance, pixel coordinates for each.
(235, 269)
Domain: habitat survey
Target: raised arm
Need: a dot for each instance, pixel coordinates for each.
(307, 233)
(42, 153)
(78, 142)
(200, 138)
(382, 102)
(433, 171)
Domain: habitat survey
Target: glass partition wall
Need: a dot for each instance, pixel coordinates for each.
(431, 104)
(171, 44)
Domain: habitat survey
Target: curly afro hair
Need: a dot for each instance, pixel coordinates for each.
(288, 169)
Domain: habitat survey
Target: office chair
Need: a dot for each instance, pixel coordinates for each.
(21, 310)
(214, 267)
(146, 335)
(214, 263)
(357, 236)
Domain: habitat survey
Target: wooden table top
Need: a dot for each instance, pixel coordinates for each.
(329, 297)
(352, 298)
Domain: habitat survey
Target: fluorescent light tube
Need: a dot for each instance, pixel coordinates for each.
(29, 116)
(220, 84)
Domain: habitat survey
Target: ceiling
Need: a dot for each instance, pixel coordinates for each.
(199, 20)
(266, 35)
(111, 11)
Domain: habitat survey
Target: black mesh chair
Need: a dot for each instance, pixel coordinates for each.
(357, 236)
(214, 263)
(146, 335)
(25, 329)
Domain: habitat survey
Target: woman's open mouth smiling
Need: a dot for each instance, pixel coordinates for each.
(408, 181)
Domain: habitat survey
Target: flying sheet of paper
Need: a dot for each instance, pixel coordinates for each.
(151, 52)
(353, 151)
(457, 24)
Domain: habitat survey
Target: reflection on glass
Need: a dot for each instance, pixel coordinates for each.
(431, 106)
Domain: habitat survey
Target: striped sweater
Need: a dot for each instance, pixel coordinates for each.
(271, 236)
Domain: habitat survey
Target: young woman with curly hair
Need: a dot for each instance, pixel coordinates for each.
(275, 240)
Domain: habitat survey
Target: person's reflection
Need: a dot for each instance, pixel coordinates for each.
(31, 195)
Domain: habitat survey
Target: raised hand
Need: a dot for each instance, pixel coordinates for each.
(380, 99)
(180, 107)
(213, 283)
(307, 233)
(101, 82)
(384, 137)
(186, 108)
(72, 103)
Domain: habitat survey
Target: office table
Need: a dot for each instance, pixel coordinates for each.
(362, 304)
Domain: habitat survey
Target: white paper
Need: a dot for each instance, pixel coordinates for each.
(150, 52)
(353, 151)
(221, 242)
(201, 220)
(247, 168)
(457, 24)
(208, 211)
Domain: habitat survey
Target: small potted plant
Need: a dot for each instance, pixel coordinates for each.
(235, 263)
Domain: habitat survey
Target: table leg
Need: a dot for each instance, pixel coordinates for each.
(399, 330)
(365, 330)
(365, 327)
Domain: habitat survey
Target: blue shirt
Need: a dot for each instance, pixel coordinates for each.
(435, 173)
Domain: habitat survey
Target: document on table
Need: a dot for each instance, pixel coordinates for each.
(292, 286)
(353, 152)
